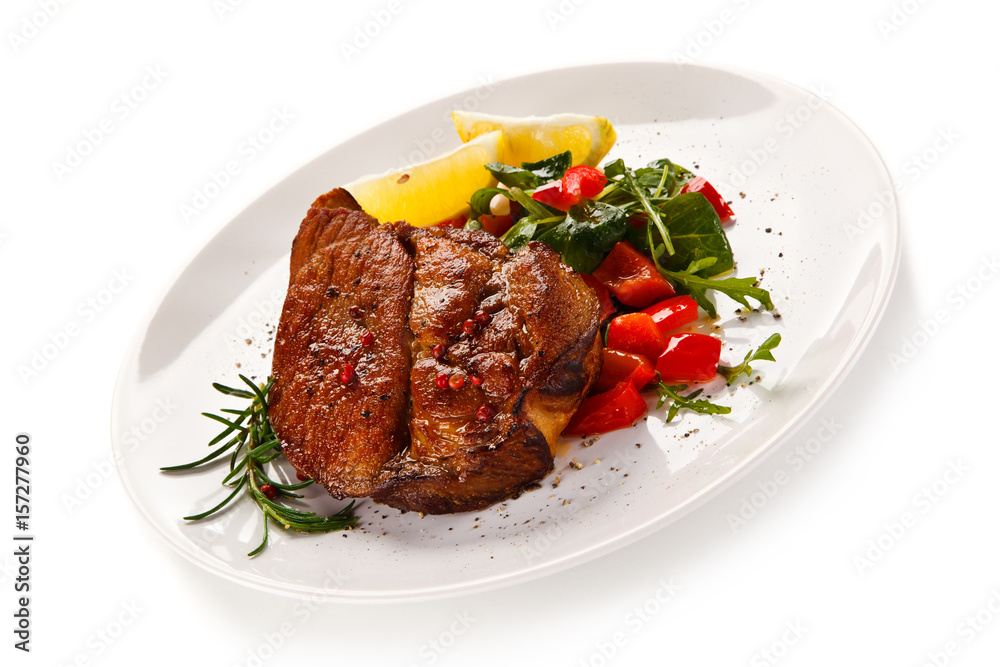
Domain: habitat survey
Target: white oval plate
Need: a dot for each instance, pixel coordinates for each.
(816, 213)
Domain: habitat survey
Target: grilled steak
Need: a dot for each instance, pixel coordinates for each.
(479, 359)
(520, 334)
(337, 404)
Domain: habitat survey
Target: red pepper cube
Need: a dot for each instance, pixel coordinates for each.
(699, 184)
(632, 278)
(603, 295)
(621, 366)
(554, 194)
(673, 313)
(577, 183)
(636, 333)
(620, 407)
(689, 358)
(585, 181)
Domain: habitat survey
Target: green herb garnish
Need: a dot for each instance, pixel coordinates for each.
(697, 286)
(762, 353)
(691, 401)
(254, 445)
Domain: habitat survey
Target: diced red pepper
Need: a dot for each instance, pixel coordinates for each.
(457, 222)
(577, 183)
(699, 184)
(673, 313)
(689, 358)
(555, 195)
(603, 295)
(636, 333)
(621, 366)
(586, 180)
(632, 278)
(497, 225)
(610, 411)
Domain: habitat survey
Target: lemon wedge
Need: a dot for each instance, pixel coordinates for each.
(429, 192)
(534, 138)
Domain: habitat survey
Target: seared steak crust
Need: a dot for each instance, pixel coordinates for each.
(515, 334)
(343, 432)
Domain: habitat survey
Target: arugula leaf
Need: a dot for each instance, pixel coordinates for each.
(698, 265)
(737, 289)
(534, 209)
(680, 174)
(587, 234)
(652, 214)
(762, 353)
(680, 402)
(660, 176)
(696, 233)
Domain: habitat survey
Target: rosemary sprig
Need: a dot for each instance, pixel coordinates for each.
(254, 444)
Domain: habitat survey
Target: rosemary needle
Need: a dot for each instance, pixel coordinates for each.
(254, 444)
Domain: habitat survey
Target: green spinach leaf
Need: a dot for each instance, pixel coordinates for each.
(551, 168)
(587, 234)
(531, 174)
(696, 233)
(513, 177)
(518, 236)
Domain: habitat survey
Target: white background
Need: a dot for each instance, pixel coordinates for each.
(919, 78)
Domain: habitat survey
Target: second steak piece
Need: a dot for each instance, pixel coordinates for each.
(505, 347)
